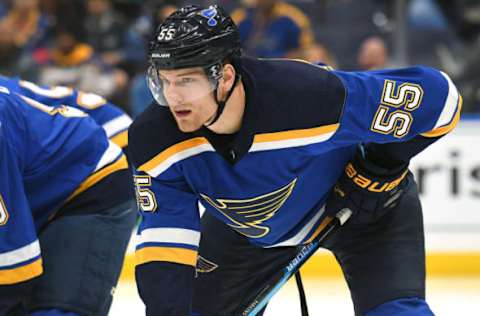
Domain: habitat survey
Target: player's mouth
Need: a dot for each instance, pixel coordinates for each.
(182, 113)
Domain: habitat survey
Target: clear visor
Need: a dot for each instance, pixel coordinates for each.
(179, 87)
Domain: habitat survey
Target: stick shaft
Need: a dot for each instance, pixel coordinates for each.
(280, 278)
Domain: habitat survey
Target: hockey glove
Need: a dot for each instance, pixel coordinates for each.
(367, 189)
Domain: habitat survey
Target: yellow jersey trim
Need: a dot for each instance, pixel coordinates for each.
(121, 139)
(22, 273)
(169, 254)
(99, 175)
(294, 134)
(163, 160)
(447, 128)
(171, 151)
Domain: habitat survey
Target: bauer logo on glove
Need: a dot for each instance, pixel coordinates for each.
(367, 189)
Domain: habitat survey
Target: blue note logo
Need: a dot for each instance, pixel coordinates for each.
(210, 14)
(247, 216)
(204, 265)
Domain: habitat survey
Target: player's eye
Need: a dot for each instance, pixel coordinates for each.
(187, 80)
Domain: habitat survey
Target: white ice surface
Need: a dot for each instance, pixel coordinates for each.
(446, 296)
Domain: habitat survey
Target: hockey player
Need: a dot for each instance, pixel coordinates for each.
(114, 120)
(270, 147)
(65, 210)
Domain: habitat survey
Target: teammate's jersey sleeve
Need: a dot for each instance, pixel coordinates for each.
(114, 120)
(396, 105)
(19, 247)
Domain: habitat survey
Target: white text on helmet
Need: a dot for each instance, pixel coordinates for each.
(161, 55)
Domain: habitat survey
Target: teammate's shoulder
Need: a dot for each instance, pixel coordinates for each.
(8, 100)
(12, 114)
(9, 83)
(152, 132)
(3, 103)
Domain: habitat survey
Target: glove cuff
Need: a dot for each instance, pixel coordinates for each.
(373, 178)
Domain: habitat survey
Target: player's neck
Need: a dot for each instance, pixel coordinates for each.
(230, 120)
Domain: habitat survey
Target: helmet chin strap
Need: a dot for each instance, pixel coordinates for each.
(221, 104)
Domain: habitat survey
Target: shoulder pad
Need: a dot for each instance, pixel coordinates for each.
(296, 94)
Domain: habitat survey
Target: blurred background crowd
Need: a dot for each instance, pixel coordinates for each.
(101, 46)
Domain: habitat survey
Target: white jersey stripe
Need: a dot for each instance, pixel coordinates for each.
(257, 146)
(179, 156)
(109, 156)
(300, 236)
(117, 125)
(450, 107)
(20, 255)
(295, 142)
(169, 235)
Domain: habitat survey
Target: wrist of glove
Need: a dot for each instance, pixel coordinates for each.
(367, 189)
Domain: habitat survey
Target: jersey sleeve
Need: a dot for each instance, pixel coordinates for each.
(168, 236)
(20, 258)
(397, 105)
(170, 226)
(113, 119)
(167, 241)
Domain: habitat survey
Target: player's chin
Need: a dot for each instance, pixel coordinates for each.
(188, 127)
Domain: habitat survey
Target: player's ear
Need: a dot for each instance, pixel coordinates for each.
(228, 78)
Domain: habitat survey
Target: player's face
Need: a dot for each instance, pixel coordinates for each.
(189, 95)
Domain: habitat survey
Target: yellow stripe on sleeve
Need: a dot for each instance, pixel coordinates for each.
(22, 273)
(171, 151)
(169, 254)
(121, 139)
(295, 134)
(447, 128)
(99, 175)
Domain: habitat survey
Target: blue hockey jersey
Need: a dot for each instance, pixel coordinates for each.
(114, 120)
(49, 155)
(301, 126)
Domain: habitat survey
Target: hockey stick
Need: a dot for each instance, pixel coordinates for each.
(280, 278)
